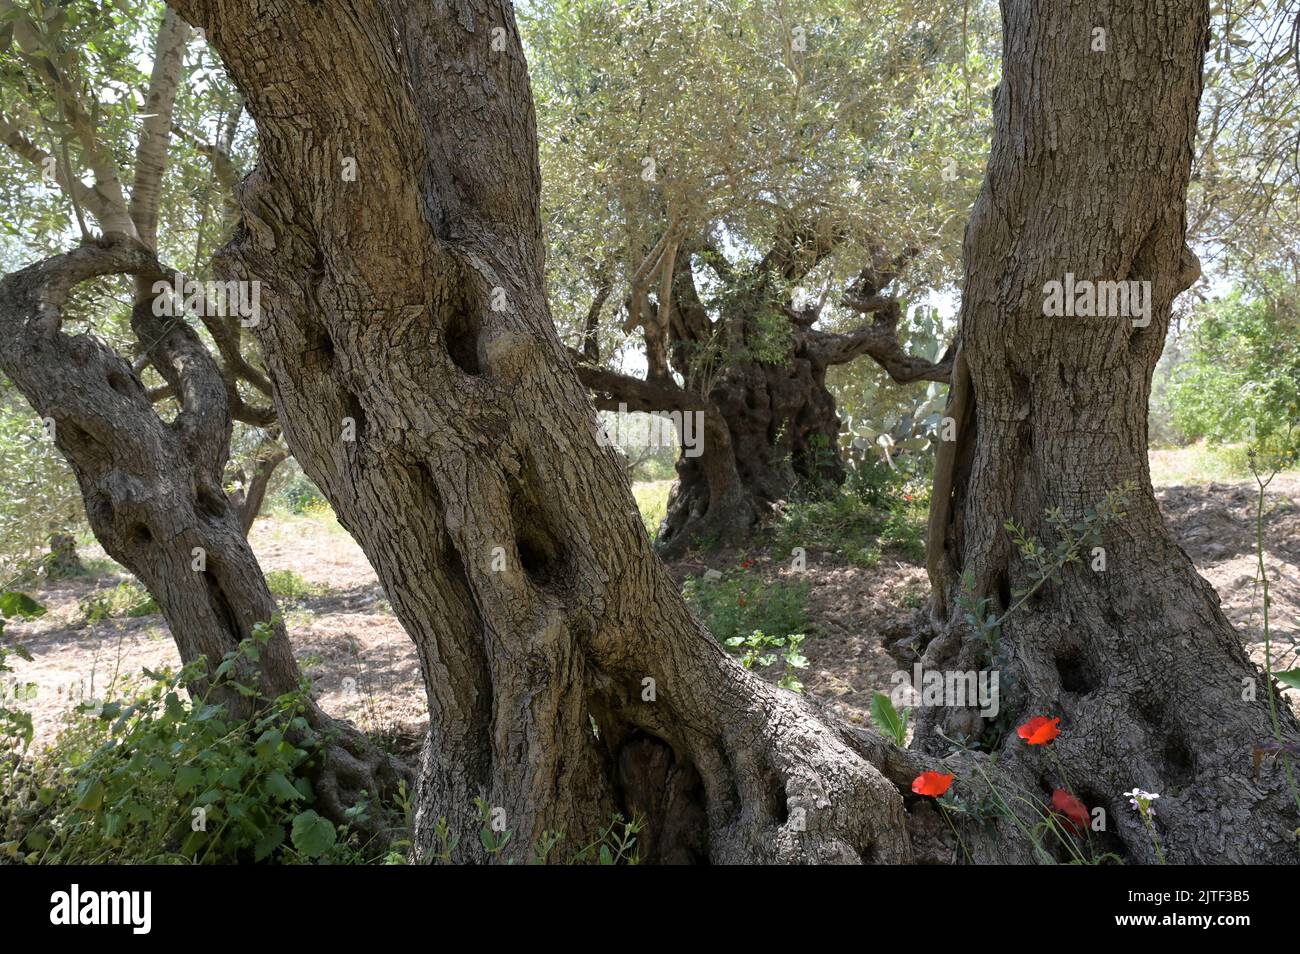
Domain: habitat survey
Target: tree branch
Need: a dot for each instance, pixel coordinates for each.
(73, 188)
(799, 249)
(249, 497)
(879, 340)
(33, 347)
(590, 328)
(151, 151)
(610, 389)
(223, 165)
(111, 201)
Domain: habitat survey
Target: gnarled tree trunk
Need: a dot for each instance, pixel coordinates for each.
(566, 678)
(1088, 175)
(152, 489)
(768, 418)
(781, 428)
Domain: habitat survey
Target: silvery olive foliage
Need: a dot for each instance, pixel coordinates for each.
(74, 84)
(729, 120)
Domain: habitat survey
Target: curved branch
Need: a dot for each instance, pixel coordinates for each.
(31, 51)
(225, 331)
(258, 415)
(590, 328)
(224, 169)
(30, 320)
(87, 198)
(612, 391)
(691, 328)
(251, 494)
(879, 340)
(799, 249)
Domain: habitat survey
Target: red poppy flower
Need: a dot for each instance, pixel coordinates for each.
(1040, 730)
(747, 564)
(933, 784)
(1075, 812)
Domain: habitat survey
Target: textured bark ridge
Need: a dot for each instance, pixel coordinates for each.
(1088, 175)
(152, 489)
(421, 384)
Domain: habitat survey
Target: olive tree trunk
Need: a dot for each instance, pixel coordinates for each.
(761, 426)
(152, 489)
(1088, 176)
(781, 428)
(394, 223)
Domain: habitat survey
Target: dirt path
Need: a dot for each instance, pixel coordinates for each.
(348, 643)
(363, 667)
(1216, 526)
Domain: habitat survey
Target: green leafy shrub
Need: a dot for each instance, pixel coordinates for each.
(652, 503)
(160, 777)
(127, 598)
(1240, 381)
(742, 601)
(838, 521)
(741, 607)
(294, 492)
(906, 527)
(41, 494)
(290, 585)
(16, 729)
(878, 509)
(760, 649)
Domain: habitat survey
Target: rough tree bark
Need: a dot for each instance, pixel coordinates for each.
(566, 678)
(756, 372)
(152, 489)
(1088, 175)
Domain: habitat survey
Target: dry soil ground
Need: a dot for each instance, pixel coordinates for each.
(362, 666)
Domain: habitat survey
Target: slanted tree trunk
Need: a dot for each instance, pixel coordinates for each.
(152, 489)
(566, 678)
(1088, 175)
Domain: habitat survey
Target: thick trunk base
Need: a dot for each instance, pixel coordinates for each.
(781, 429)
